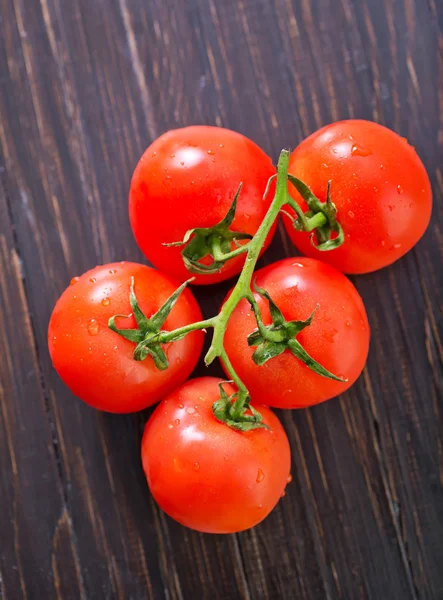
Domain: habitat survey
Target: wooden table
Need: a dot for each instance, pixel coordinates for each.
(85, 87)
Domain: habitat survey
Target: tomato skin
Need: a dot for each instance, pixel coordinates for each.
(206, 475)
(96, 363)
(188, 178)
(338, 337)
(379, 186)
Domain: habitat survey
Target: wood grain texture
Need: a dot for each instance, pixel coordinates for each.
(85, 86)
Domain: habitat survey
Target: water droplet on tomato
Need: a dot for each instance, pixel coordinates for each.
(89, 350)
(92, 279)
(211, 152)
(170, 426)
(297, 264)
(182, 163)
(400, 190)
(396, 246)
(357, 150)
(116, 348)
(196, 466)
(382, 167)
(325, 166)
(260, 476)
(180, 406)
(383, 242)
(112, 271)
(289, 479)
(154, 154)
(93, 327)
(74, 280)
(283, 494)
(348, 323)
(172, 156)
(221, 146)
(351, 214)
(177, 422)
(190, 410)
(106, 301)
(260, 506)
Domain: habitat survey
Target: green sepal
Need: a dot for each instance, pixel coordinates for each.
(146, 334)
(224, 409)
(272, 340)
(322, 235)
(214, 242)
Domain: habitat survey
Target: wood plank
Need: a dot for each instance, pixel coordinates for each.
(38, 548)
(84, 89)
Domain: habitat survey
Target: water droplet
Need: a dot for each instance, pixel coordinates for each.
(180, 406)
(89, 350)
(382, 167)
(74, 280)
(92, 279)
(325, 166)
(348, 323)
(283, 494)
(93, 327)
(351, 214)
(297, 264)
(400, 190)
(154, 154)
(172, 156)
(182, 163)
(383, 242)
(168, 177)
(170, 426)
(396, 246)
(190, 410)
(289, 479)
(113, 271)
(221, 146)
(115, 347)
(196, 466)
(106, 301)
(177, 422)
(211, 152)
(213, 160)
(405, 139)
(260, 506)
(260, 476)
(357, 150)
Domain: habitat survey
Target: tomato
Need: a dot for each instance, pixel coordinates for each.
(96, 363)
(338, 337)
(379, 186)
(206, 475)
(187, 179)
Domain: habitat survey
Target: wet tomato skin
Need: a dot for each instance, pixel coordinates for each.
(338, 337)
(188, 178)
(206, 475)
(379, 186)
(96, 363)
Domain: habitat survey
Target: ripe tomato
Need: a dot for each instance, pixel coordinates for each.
(338, 337)
(187, 179)
(206, 475)
(379, 186)
(96, 363)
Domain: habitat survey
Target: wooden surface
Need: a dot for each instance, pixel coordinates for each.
(85, 86)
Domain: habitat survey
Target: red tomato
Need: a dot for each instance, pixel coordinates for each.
(338, 337)
(96, 363)
(188, 178)
(379, 186)
(206, 475)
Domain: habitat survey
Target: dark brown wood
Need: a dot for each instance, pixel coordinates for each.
(85, 86)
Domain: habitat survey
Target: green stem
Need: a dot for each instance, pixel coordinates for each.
(219, 256)
(164, 337)
(318, 220)
(243, 286)
(306, 223)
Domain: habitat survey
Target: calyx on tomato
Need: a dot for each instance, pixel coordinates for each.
(321, 217)
(214, 242)
(227, 411)
(147, 336)
(272, 340)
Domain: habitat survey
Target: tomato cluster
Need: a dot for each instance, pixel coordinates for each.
(203, 202)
